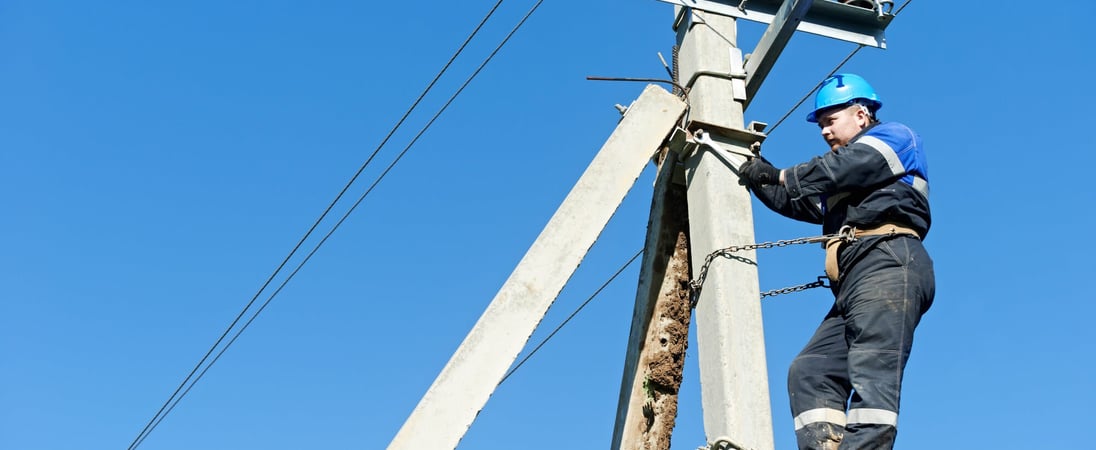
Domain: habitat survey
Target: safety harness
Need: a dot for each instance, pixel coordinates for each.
(849, 233)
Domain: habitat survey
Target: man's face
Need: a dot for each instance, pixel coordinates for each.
(839, 125)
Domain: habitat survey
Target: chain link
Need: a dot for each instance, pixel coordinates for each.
(728, 252)
(773, 244)
(802, 287)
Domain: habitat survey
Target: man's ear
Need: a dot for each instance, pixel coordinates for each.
(863, 115)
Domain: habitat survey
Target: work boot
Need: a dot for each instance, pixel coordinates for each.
(820, 436)
(859, 3)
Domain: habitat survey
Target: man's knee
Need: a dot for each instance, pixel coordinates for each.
(819, 377)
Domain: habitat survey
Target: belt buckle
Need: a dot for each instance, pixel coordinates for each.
(847, 233)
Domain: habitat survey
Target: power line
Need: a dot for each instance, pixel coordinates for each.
(353, 207)
(704, 22)
(805, 97)
(176, 396)
(572, 316)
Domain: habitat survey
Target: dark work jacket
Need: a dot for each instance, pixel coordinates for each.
(880, 177)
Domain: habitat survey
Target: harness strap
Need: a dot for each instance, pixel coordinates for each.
(885, 229)
(850, 233)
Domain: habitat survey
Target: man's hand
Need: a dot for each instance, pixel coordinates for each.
(758, 172)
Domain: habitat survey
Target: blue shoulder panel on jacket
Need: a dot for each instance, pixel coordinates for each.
(900, 145)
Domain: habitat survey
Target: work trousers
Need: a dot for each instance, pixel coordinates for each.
(857, 355)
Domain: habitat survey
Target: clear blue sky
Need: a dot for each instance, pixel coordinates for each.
(159, 161)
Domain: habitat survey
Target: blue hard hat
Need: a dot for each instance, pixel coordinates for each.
(841, 89)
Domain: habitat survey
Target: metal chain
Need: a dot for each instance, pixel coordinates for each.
(773, 244)
(728, 252)
(802, 287)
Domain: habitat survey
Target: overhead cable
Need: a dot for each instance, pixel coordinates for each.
(179, 391)
(360, 199)
(805, 97)
(572, 316)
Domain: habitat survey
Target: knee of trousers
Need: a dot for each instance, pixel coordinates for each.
(817, 382)
(877, 378)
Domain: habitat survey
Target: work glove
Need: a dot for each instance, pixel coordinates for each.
(758, 172)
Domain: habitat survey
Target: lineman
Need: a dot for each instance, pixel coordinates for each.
(872, 186)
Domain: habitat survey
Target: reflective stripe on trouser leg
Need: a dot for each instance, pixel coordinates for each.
(819, 429)
(882, 300)
(818, 386)
(873, 416)
(834, 416)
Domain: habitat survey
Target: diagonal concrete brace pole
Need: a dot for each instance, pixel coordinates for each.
(462, 388)
(647, 408)
(730, 339)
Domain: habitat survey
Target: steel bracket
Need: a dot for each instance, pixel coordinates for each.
(825, 18)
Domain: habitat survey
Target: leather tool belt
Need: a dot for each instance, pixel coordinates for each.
(849, 234)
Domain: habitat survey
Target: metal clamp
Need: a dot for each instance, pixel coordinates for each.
(681, 142)
(847, 233)
(884, 8)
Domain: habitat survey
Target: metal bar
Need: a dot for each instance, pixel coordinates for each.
(772, 43)
(462, 388)
(825, 18)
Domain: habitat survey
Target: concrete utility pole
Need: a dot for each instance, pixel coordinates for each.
(704, 210)
(647, 408)
(731, 344)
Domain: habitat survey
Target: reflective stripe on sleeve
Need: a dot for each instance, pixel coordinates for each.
(888, 153)
(819, 415)
(921, 185)
(873, 416)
